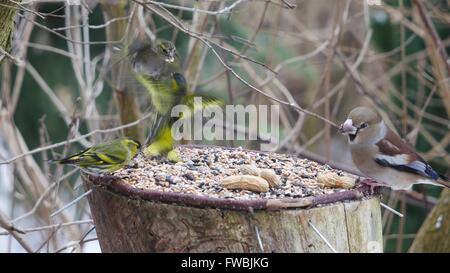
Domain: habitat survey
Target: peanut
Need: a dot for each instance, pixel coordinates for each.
(250, 170)
(245, 182)
(333, 180)
(271, 177)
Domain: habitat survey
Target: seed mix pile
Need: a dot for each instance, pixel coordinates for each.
(203, 168)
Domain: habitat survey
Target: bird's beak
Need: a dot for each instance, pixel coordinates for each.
(348, 128)
(170, 59)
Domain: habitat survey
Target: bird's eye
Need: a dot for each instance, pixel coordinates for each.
(363, 125)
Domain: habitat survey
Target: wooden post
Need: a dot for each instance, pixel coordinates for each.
(133, 220)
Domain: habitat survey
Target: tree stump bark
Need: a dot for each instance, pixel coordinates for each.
(134, 220)
(434, 235)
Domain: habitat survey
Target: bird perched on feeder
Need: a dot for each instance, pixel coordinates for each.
(383, 156)
(106, 157)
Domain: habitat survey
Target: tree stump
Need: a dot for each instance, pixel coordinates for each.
(129, 219)
(433, 236)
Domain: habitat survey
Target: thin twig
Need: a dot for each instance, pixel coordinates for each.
(391, 210)
(46, 242)
(321, 236)
(107, 23)
(41, 228)
(43, 196)
(4, 223)
(261, 247)
(225, 10)
(73, 202)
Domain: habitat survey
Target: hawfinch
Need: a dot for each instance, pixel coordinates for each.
(382, 155)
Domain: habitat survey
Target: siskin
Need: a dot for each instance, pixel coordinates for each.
(106, 157)
(165, 94)
(154, 59)
(157, 70)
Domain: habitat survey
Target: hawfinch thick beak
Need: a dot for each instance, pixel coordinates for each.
(347, 127)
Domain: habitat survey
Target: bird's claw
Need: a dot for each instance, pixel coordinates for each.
(173, 156)
(371, 183)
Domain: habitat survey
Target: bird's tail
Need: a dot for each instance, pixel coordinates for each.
(73, 159)
(69, 160)
(444, 181)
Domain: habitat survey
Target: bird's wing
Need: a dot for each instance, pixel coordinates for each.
(197, 102)
(158, 122)
(88, 158)
(153, 86)
(393, 152)
(163, 95)
(113, 152)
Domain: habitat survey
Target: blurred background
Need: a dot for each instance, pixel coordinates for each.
(60, 81)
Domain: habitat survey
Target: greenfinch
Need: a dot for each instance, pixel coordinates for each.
(106, 157)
